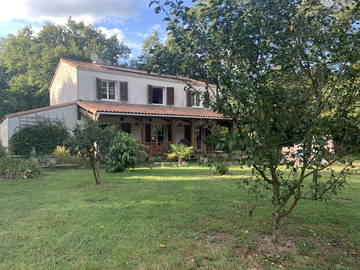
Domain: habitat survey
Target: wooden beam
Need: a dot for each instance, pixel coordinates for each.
(193, 133)
(173, 131)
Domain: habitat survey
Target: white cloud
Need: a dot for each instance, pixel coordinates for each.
(59, 10)
(110, 32)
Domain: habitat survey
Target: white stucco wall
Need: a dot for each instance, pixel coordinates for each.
(4, 134)
(9, 126)
(64, 85)
(137, 87)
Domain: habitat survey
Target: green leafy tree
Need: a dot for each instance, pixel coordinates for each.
(92, 143)
(43, 136)
(166, 58)
(286, 72)
(124, 153)
(180, 152)
(28, 60)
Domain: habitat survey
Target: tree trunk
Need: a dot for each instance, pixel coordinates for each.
(96, 173)
(179, 162)
(276, 214)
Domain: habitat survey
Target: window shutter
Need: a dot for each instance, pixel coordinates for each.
(126, 127)
(147, 132)
(206, 99)
(124, 91)
(188, 99)
(170, 96)
(150, 94)
(98, 88)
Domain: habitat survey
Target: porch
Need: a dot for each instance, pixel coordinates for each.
(157, 133)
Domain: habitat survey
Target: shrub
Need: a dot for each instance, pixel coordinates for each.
(63, 156)
(3, 152)
(19, 168)
(221, 168)
(180, 152)
(124, 153)
(43, 137)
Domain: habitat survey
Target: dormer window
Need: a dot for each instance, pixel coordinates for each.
(107, 90)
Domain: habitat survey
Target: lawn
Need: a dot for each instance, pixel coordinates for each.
(166, 218)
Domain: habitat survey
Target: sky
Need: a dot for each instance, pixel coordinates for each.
(131, 20)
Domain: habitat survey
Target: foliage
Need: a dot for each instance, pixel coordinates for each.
(63, 156)
(28, 60)
(222, 168)
(286, 72)
(124, 153)
(180, 152)
(3, 152)
(224, 139)
(165, 58)
(43, 136)
(18, 168)
(92, 143)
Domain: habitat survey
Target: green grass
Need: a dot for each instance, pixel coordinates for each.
(165, 218)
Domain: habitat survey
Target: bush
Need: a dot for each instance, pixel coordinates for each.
(124, 153)
(221, 169)
(19, 168)
(3, 152)
(43, 137)
(63, 156)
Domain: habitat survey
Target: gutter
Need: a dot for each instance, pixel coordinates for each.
(156, 115)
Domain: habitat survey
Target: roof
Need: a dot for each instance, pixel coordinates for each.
(128, 109)
(128, 71)
(147, 110)
(41, 109)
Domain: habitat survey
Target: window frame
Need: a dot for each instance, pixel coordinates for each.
(194, 99)
(107, 90)
(162, 95)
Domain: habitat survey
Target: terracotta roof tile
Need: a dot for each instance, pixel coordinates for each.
(151, 110)
(129, 71)
(41, 109)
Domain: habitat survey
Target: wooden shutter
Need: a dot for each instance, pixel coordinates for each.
(126, 127)
(170, 96)
(206, 99)
(98, 88)
(150, 94)
(147, 132)
(124, 91)
(188, 99)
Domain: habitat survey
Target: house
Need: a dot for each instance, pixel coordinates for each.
(153, 108)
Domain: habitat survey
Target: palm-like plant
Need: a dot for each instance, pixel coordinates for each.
(180, 152)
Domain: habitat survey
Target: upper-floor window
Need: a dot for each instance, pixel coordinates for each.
(107, 90)
(156, 95)
(196, 100)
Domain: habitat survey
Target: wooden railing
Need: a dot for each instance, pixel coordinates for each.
(156, 148)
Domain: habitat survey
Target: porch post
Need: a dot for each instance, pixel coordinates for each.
(193, 133)
(142, 131)
(173, 131)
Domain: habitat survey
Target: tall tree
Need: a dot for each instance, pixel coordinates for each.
(286, 72)
(166, 58)
(29, 60)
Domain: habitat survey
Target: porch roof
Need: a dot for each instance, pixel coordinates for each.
(147, 110)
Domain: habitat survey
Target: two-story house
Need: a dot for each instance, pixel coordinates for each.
(154, 108)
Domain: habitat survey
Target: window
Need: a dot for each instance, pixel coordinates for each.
(157, 95)
(107, 90)
(196, 100)
(157, 133)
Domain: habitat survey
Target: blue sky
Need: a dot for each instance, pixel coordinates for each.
(131, 20)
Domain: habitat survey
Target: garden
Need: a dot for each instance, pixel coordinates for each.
(195, 214)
